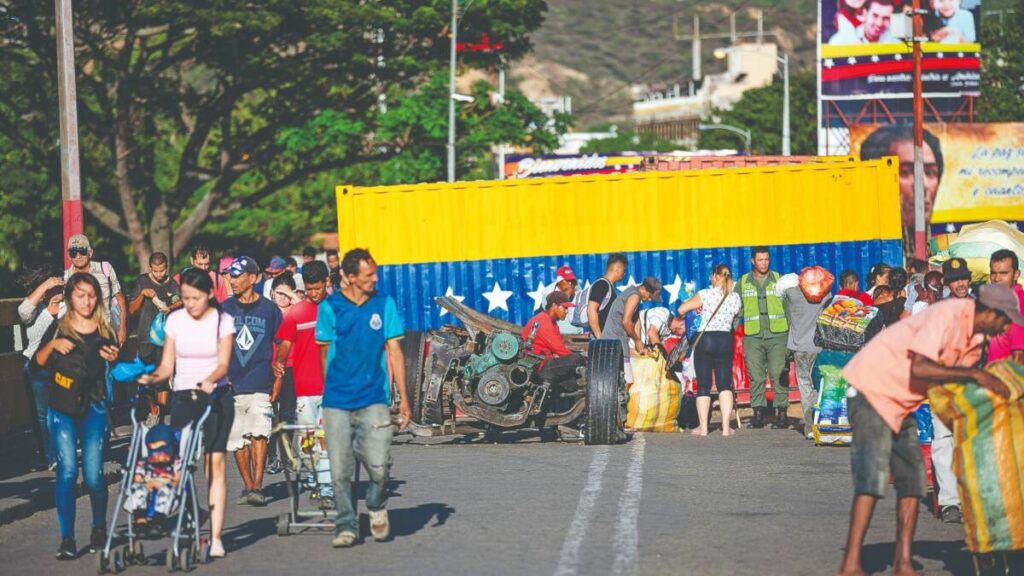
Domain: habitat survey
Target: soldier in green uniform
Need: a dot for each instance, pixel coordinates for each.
(766, 333)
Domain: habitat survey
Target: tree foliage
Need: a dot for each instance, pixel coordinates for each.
(195, 114)
(628, 141)
(760, 111)
(1002, 74)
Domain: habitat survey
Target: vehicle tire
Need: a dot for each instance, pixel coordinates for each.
(283, 520)
(605, 418)
(413, 349)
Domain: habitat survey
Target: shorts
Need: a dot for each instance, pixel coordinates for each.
(254, 418)
(309, 411)
(877, 452)
(186, 407)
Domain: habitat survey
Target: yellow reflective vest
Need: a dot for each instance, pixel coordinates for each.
(777, 323)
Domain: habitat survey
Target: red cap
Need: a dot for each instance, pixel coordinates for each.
(565, 273)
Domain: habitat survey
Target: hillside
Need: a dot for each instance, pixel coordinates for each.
(593, 50)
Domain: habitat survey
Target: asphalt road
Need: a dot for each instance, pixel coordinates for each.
(764, 502)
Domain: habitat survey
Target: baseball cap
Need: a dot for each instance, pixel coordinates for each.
(653, 285)
(277, 264)
(560, 298)
(78, 241)
(999, 297)
(955, 269)
(565, 273)
(241, 265)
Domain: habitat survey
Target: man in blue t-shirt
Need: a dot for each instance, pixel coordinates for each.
(359, 331)
(251, 374)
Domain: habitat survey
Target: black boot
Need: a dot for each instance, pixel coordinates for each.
(758, 420)
(781, 419)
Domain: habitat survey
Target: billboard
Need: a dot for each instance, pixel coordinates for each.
(517, 166)
(861, 58)
(973, 172)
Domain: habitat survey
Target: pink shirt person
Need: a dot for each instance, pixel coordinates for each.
(1001, 347)
(195, 346)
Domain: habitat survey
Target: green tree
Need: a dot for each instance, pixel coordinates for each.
(1002, 74)
(628, 141)
(760, 111)
(194, 111)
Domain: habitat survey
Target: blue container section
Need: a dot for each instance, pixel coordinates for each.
(502, 288)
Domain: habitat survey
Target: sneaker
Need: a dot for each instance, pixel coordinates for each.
(275, 466)
(344, 539)
(243, 498)
(256, 498)
(380, 527)
(952, 515)
(97, 540)
(326, 503)
(216, 549)
(67, 550)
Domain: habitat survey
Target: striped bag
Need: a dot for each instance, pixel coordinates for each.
(653, 398)
(988, 457)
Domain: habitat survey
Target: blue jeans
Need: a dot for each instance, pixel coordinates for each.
(363, 434)
(67, 432)
(36, 379)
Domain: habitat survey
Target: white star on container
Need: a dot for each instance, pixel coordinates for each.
(451, 294)
(897, 57)
(940, 55)
(875, 58)
(538, 295)
(851, 60)
(673, 289)
(497, 298)
(829, 63)
(628, 285)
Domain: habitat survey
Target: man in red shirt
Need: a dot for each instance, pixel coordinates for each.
(297, 336)
(543, 338)
(849, 285)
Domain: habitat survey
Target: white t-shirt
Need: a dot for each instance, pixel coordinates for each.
(722, 321)
(658, 318)
(195, 345)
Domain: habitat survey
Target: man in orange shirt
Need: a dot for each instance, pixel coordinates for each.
(889, 379)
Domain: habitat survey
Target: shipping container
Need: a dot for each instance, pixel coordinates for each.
(669, 162)
(497, 244)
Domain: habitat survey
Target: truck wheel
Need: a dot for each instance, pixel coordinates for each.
(604, 416)
(413, 347)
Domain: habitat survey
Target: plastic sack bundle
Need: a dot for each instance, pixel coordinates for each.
(925, 432)
(988, 457)
(816, 283)
(831, 423)
(846, 324)
(130, 371)
(156, 330)
(653, 398)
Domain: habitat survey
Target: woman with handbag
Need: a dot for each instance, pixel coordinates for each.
(197, 351)
(713, 346)
(76, 348)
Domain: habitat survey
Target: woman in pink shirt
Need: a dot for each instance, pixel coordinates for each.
(197, 351)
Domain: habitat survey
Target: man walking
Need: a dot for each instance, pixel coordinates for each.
(80, 252)
(257, 320)
(359, 331)
(803, 318)
(1004, 268)
(766, 333)
(889, 379)
(602, 293)
(296, 339)
(623, 315)
(155, 294)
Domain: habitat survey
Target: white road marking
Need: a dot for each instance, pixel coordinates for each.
(626, 532)
(569, 560)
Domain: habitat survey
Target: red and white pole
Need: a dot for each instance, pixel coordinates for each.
(67, 100)
(920, 226)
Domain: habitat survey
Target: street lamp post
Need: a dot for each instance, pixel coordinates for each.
(728, 128)
(451, 92)
(784, 60)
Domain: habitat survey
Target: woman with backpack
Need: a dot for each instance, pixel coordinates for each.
(713, 348)
(74, 352)
(197, 351)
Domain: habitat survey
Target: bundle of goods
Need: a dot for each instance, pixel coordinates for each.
(816, 283)
(831, 423)
(654, 398)
(976, 242)
(988, 450)
(846, 324)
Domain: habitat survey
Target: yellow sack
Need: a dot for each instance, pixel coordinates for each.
(653, 399)
(988, 457)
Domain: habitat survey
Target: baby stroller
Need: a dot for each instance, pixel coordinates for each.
(187, 548)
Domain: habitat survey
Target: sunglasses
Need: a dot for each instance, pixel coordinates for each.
(72, 252)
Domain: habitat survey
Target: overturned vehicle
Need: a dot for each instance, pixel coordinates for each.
(481, 377)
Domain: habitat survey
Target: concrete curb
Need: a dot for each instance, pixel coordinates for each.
(17, 508)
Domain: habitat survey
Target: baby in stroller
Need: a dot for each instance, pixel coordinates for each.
(151, 497)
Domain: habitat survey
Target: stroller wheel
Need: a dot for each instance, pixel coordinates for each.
(117, 562)
(102, 562)
(204, 553)
(187, 559)
(172, 560)
(283, 521)
(139, 553)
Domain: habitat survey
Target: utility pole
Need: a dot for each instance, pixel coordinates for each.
(920, 233)
(451, 92)
(501, 101)
(67, 102)
(785, 105)
(696, 49)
